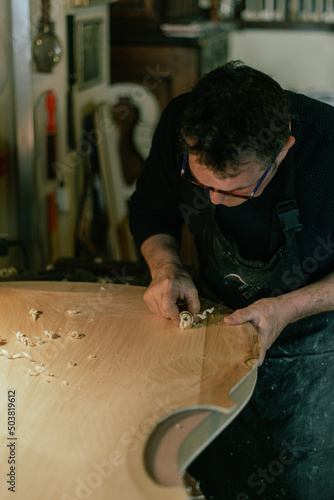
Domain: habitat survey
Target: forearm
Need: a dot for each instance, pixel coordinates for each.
(170, 281)
(160, 252)
(311, 299)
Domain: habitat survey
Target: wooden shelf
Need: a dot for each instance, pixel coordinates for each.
(286, 25)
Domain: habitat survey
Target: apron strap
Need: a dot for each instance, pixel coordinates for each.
(288, 213)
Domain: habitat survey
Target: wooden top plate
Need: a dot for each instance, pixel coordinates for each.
(130, 404)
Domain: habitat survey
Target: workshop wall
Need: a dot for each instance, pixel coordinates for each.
(299, 60)
(8, 201)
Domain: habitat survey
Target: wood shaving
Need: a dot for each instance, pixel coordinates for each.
(34, 313)
(40, 369)
(74, 334)
(3, 352)
(31, 342)
(21, 337)
(73, 311)
(7, 272)
(71, 363)
(187, 319)
(64, 382)
(204, 314)
(50, 334)
(92, 356)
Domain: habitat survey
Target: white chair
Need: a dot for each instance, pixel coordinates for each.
(117, 191)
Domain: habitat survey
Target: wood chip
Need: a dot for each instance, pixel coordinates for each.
(187, 320)
(34, 313)
(3, 352)
(50, 334)
(31, 342)
(74, 334)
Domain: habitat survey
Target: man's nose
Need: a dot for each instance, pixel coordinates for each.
(218, 198)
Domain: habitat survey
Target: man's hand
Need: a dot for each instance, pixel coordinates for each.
(270, 316)
(170, 281)
(168, 286)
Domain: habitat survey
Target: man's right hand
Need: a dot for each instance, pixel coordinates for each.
(170, 282)
(170, 285)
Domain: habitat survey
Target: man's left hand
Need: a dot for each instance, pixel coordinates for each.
(270, 316)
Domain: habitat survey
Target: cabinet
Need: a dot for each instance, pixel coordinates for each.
(166, 66)
(153, 12)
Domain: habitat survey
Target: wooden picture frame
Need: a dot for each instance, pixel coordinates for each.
(90, 52)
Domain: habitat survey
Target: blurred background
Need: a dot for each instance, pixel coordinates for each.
(82, 86)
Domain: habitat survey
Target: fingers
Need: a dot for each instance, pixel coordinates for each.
(241, 316)
(162, 305)
(193, 303)
(162, 297)
(263, 352)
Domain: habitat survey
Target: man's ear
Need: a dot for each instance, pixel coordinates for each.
(284, 151)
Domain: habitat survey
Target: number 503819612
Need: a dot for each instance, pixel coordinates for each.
(11, 412)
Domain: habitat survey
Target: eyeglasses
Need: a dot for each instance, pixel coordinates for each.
(220, 191)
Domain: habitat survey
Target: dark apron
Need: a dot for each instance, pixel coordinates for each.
(282, 444)
(238, 282)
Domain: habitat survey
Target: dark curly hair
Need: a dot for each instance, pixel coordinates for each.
(235, 114)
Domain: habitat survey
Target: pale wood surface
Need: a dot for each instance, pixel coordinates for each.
(86, 440)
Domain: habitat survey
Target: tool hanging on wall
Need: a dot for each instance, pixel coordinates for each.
(52, 227)
(51, 134)
(71, 83)
(47, 48)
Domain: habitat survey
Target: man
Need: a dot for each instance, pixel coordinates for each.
(249, 168)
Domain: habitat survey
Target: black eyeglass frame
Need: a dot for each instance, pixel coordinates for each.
(220, 191)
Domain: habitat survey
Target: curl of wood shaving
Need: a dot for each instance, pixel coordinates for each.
(64, 382)
(32, 372)
(31, 342)
(187, 319)
(71, 363)
(3, 352)
(75, 335)
(92, 356)
(7, 272)
(40, 369)
(73, 311)
(34, 313)
(50, 334)
(204, 314)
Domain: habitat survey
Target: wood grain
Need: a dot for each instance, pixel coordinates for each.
(87, 439)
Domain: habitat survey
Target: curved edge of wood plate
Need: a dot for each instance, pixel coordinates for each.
(179, 438)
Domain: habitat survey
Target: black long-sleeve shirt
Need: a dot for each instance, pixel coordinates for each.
(163, 201)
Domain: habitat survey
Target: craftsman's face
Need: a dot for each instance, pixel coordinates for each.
(241, 183)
